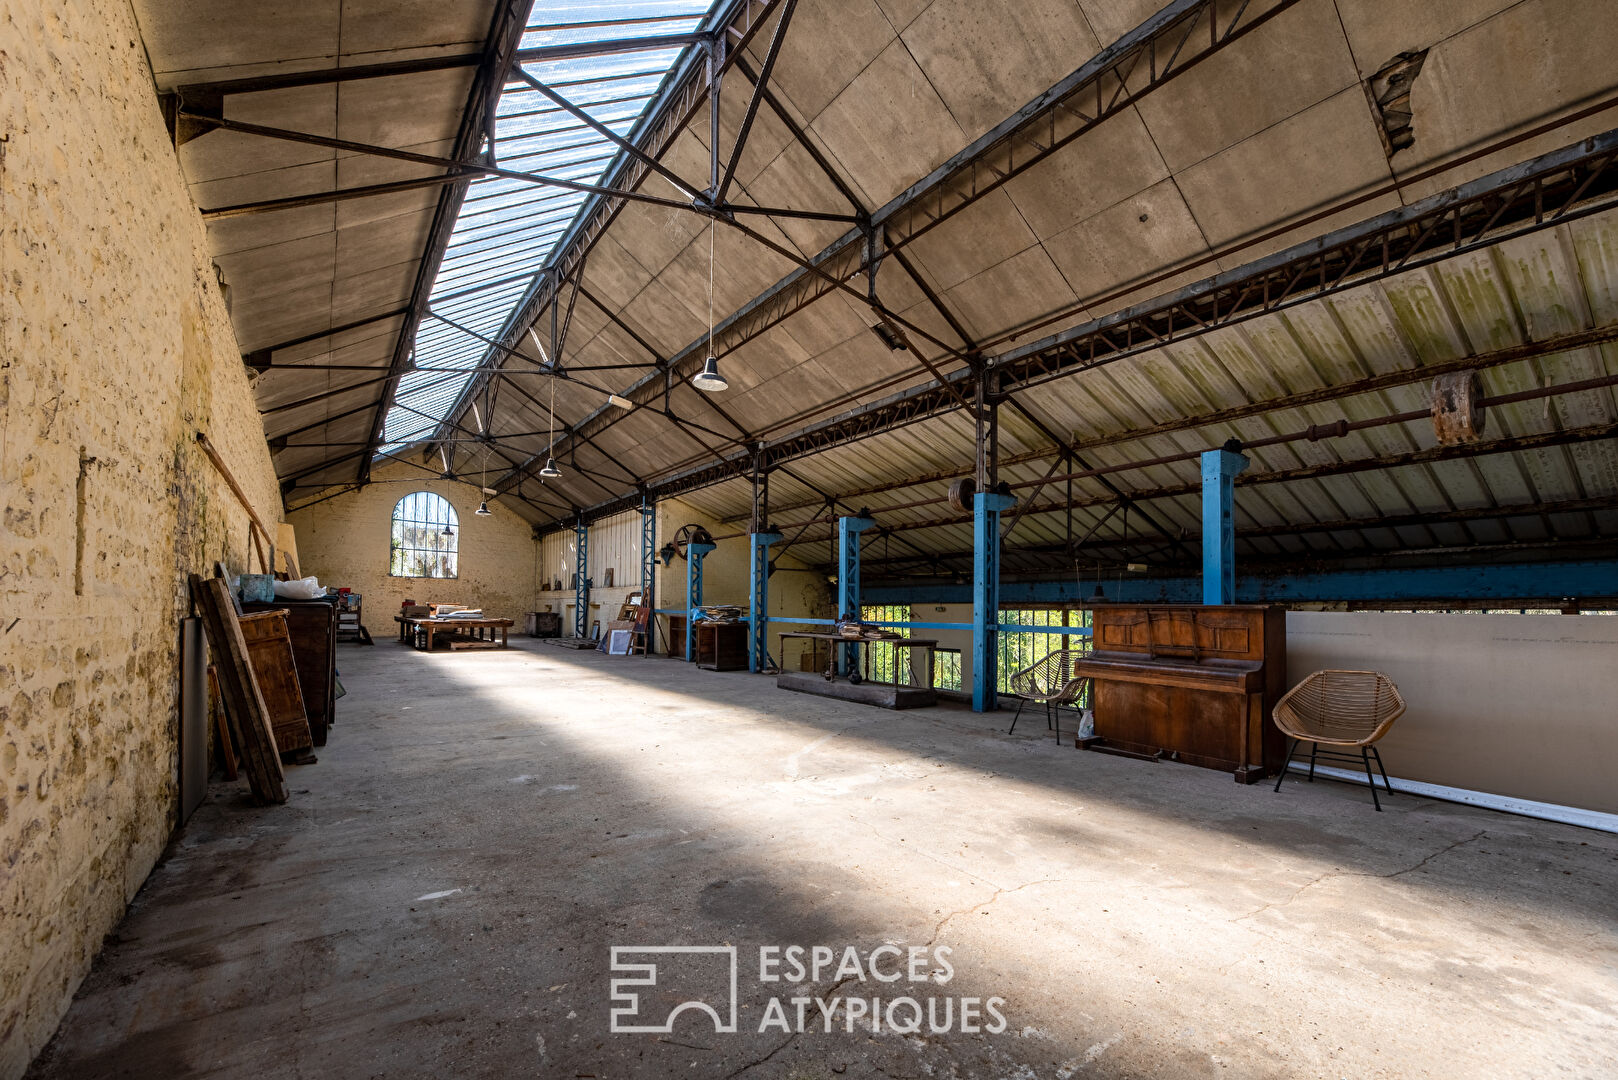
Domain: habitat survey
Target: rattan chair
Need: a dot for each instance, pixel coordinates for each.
(1049, 682)
(1340, 709)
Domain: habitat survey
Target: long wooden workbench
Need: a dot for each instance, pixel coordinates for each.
(421, 630)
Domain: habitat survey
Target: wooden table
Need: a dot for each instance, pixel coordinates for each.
(923, 678)
(422, 628)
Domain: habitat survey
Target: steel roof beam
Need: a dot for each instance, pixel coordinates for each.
(1459, 452)
(1560, 186)
(1551, 346)
(289, 80)
(504, 37)
(1390, 521)
(781, 24)
(606, 133)
(469, 169)
(293, 202)
(654, 133)
(1151, 55)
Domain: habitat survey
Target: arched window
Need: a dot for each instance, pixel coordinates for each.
(424, 537)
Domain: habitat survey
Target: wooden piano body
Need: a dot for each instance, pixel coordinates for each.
(1191, 683)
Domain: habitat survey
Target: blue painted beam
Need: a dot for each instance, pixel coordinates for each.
(1587, 581)
(648, 565)
(986, 507)
(758, 601)
(1219, 469)
(581, 578)
(695, 553)
(848, 580)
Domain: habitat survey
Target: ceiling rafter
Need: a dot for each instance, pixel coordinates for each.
(1538, 194)
(1146, 58)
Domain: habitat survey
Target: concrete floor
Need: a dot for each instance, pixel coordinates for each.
(441, 894)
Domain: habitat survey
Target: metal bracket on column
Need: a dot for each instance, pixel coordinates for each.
(986, 507)
(758, 600)
(581, 579)
(695, 553)
(848, 578)
(1219, 469)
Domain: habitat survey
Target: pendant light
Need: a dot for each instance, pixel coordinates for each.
(709, 378)
(483, 506)
(550, 471)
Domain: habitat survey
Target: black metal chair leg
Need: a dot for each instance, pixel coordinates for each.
(1292, 748)
(1020, 703)
(1378, 755)
(1314, 748)
(1370, 779)
(1050, 719)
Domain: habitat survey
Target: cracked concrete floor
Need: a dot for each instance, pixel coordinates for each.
(442, 893)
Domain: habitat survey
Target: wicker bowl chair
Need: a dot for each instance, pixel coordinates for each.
(1049, 682)
(1348, 709)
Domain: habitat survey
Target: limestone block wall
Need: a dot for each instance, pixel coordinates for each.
(344, 541)
(115, 348)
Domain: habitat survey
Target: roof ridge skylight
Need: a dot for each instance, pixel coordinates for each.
(487, 279)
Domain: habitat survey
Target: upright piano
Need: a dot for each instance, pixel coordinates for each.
(1190, 683)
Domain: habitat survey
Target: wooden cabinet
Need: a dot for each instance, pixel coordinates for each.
(722, 646)
(676, 639)
(312, 627)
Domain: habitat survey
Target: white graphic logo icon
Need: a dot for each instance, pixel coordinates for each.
(697, 967)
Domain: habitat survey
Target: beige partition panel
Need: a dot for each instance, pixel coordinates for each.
(1519, 705)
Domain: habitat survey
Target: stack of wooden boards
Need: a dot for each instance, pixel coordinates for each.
(257, 679)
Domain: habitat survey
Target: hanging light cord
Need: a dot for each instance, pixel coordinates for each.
(710, 286)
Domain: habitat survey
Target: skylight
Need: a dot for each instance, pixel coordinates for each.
(508, 229)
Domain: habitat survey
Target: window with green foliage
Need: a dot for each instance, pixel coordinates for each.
(947, 669)
(887, 664)
(423, 544)
(1019, 651)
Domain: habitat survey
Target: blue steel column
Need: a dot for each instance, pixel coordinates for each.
(1219, 469)
(695, 553)
(758, 601)
(648, 567)
(986, 507)
(581, 586)
(848, 579)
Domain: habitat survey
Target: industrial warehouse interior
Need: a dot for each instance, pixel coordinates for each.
(809, 538)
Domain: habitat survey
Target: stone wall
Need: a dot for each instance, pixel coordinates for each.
(115, 348)
(344, 541)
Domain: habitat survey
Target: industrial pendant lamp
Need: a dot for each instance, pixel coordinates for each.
(709, 378)
(483, 505)
(550, 471)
